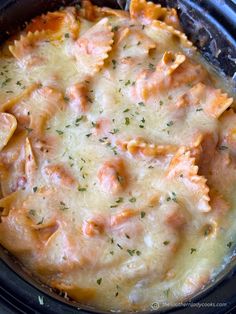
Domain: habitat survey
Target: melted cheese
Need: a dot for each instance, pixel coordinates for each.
(118, 179)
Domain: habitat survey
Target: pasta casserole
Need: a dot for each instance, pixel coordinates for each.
(117, 157)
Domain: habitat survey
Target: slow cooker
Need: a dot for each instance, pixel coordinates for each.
(211, 25)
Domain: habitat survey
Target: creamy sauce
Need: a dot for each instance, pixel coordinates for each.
(117, 185)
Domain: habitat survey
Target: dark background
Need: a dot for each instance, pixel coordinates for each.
(211, 25)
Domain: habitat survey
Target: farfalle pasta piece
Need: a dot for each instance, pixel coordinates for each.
(71, 23)
(58, 174)
(78, 96)
(140, 146)
(146, 12)
(165, 35)
(174, 216)
(203, 147)
(45, 231)
(43, 221)
(227, 140)
(8, 202)
(94, 226)
(75, 292)
(25, 49)
(30, 162)
(64, 251)
(3, 175)
(99, 225)
(52, 21)
(8, 125)
(92, 12)
(49, 100)
(103, 127)
(169, 73)
(105, 11)
(196, 281)
(122, 217)
(188, 73)
(211, 100)
(132, 42)
(171, 62)
(120, 35)
(112, 176)
(16, 99)
(104, 192)
(56, 23)
(13, 157)
(216, 102)
(40, 107)
(92, 48)
(183, 168)
(222, 165)
(127, 221)
(176, 34)
(89, 11)
(11, 152)
(150, 82)
(44, 200)
(172, 19)
(15, 223)
(219, 205)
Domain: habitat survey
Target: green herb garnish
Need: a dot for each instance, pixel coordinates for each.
(170, 123)
(35, 188)
(99, 281)
(114, 62)
(59, 132)
(142, 214)
(166, 242)
(127, 121)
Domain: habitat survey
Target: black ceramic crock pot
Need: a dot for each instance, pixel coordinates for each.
(211, 25)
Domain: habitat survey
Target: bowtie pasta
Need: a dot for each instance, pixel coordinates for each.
(117, 157)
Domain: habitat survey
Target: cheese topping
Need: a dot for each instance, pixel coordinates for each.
(117, 157)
